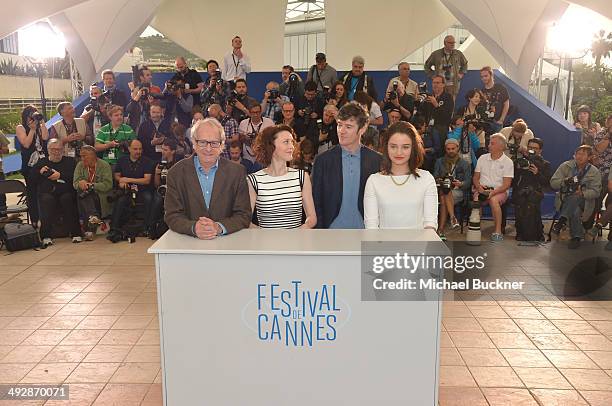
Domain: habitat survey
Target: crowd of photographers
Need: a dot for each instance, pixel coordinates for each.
(112, 162)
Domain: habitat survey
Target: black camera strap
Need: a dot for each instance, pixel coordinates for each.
(253, 131)
(581, 174)
(315, 70)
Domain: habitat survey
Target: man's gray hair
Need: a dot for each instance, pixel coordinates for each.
(500, 137)
(358, 59)
(331, 107)
(210, 122)
(287, 102)
(403, 63)
(53, 141)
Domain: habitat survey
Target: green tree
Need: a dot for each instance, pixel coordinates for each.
(601, 47)
(593, 87)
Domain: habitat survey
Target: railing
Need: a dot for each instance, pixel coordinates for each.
(9, 105)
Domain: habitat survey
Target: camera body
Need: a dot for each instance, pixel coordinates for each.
(393, 93)
(445, 184)
(571, 185)
(89, 190)
(274, 94)
(47, 173)
(37, 117)
(233, 97)
(484, 196)
(523, 162)
(447, 69)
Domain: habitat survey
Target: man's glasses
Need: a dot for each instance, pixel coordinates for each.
(288, 111)
(204, 144)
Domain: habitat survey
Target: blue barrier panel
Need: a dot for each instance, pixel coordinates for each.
(560, 138)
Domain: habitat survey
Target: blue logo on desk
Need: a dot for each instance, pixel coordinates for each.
(296, 316)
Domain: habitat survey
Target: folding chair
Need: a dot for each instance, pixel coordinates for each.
(15, 186)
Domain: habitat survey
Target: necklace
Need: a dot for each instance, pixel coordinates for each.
(401, 183)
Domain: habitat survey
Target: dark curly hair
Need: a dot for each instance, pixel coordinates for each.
(264, 143)
(417, 152)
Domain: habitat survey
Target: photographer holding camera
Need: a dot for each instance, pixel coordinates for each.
(437, 109)
(323, 74)
(69, 130)
(453, 178)
(531, 178)
(144, 94)
(169, 157)
(448, 62)
(190, 77)
(238, 101)
(518, 136)
(94, 114)
(496, 99)
(111, 139)
(579, 186)
(466, 133)
(179, 103)
(93, 181)
(214, 90)
(401, 92)
(492, 180)
(292, 85)
(249, 128)
(272, 102)
(115, 95)
(32, 135)
(328, 130)
(133, 175)
(153, 132)
(310, 108)
(56, 195)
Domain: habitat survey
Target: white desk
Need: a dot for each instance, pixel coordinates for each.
(220, 345)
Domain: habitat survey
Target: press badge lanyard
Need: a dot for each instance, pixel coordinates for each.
(253, 127)
(235, 63)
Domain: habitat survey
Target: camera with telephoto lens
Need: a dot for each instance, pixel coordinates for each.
(307, 112)
(484, 196)
(523, 162)
(87, 191)
(294, 78)
(447, 71)
(473, 120)
(445, 183)
(163, 167)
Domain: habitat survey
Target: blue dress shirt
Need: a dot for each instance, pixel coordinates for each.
(349, 216)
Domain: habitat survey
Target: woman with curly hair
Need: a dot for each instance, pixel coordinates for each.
(279, 193)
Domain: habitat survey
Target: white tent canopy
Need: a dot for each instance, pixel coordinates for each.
(99, 32)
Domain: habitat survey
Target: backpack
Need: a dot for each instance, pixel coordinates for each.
(17, 236)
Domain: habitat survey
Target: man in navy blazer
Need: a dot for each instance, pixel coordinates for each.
(340, 174)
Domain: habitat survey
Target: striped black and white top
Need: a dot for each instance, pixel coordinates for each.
(279, 198)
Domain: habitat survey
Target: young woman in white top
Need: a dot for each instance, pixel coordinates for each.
(401, 195)
(279, 193)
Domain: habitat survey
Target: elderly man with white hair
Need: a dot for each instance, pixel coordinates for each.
(207, 195)
(56, 195)
(492, 180)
